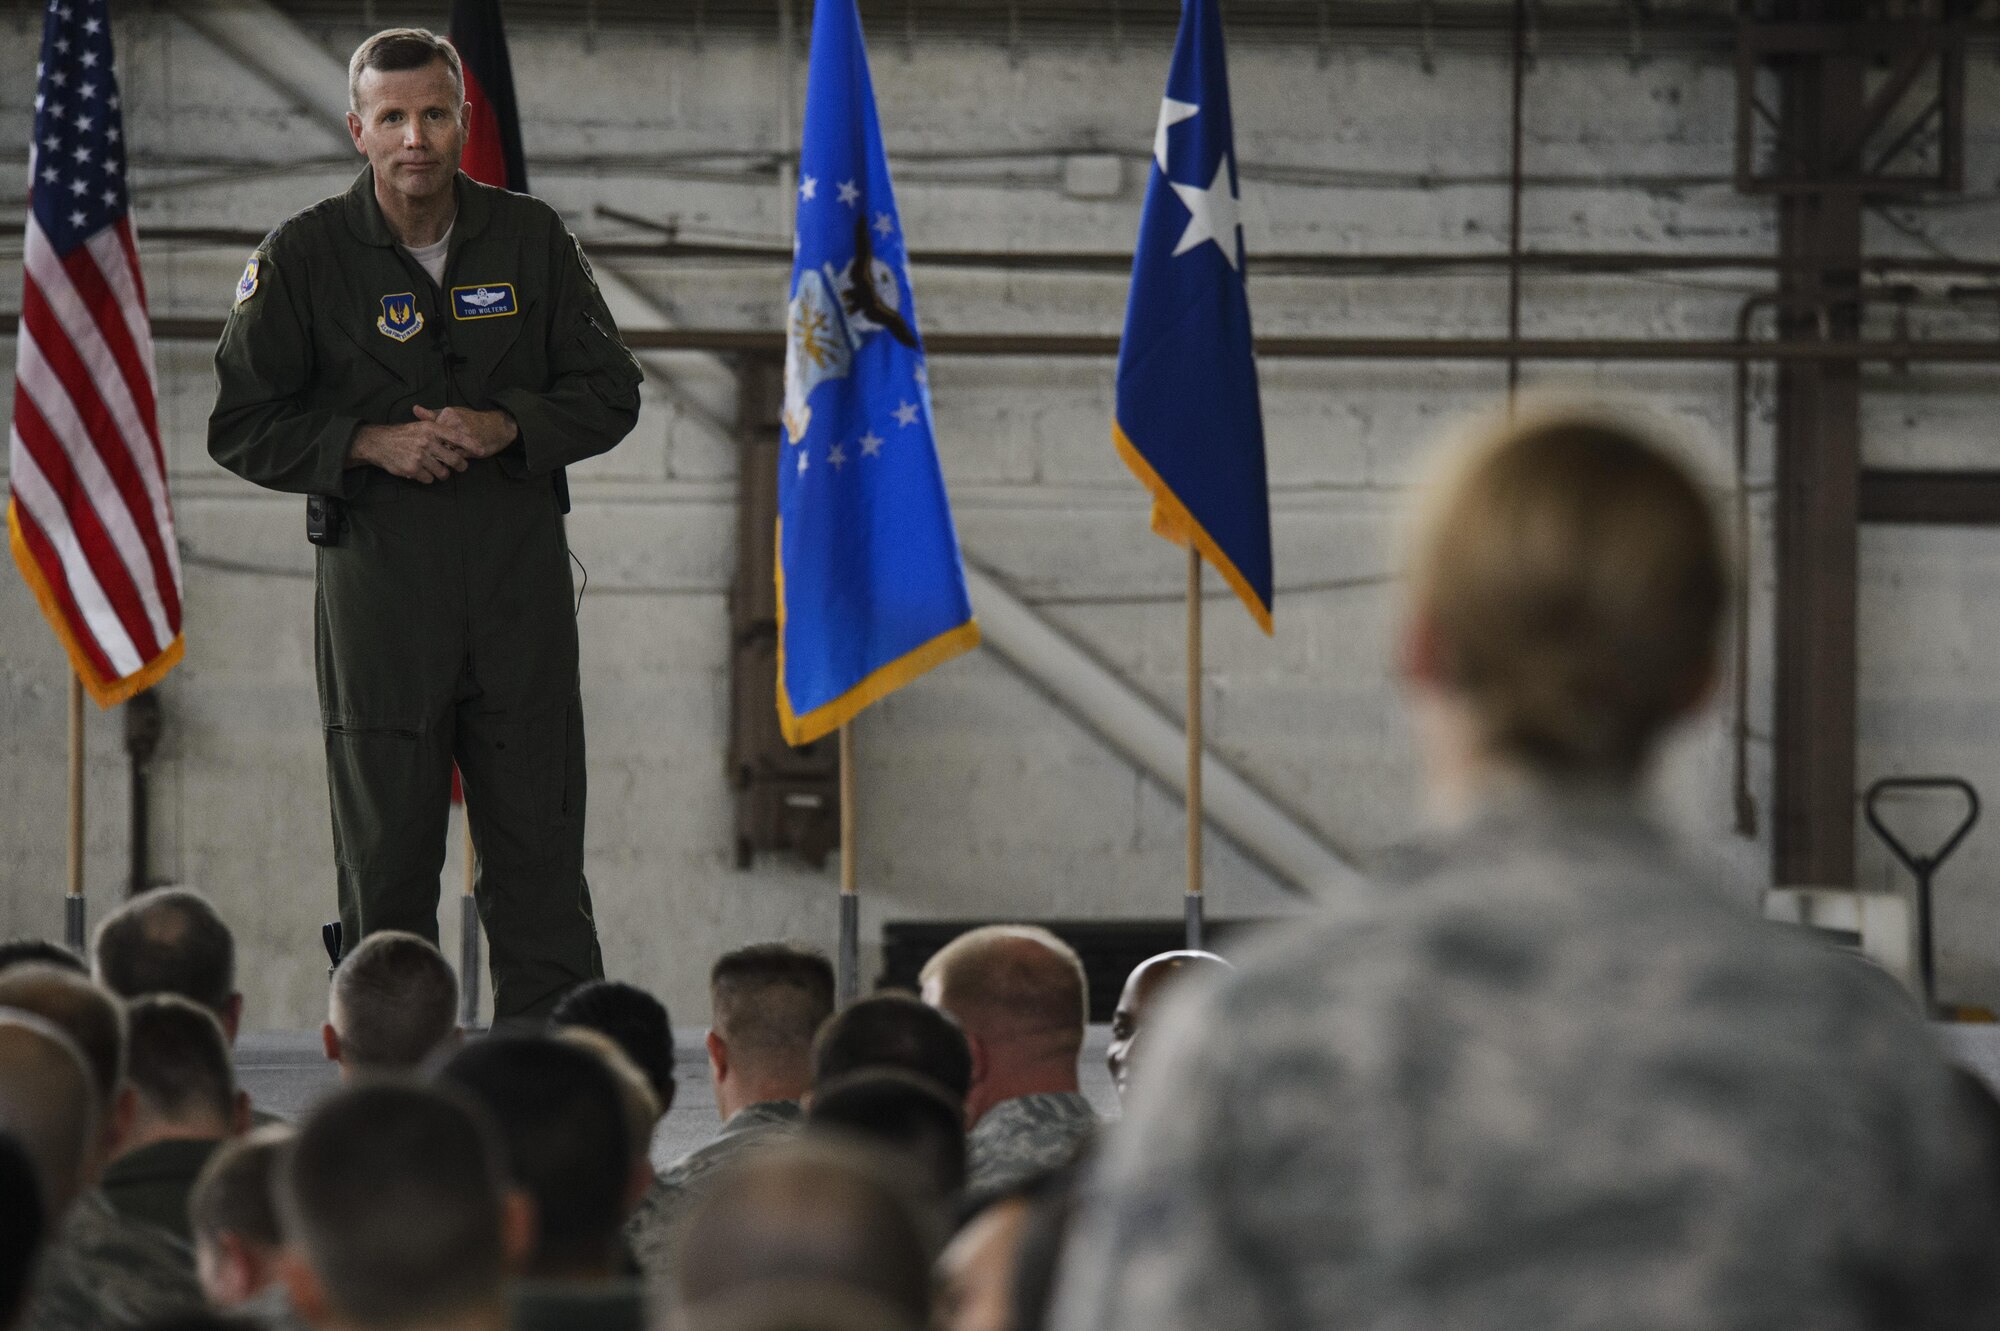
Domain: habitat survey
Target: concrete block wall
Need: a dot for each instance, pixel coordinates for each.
(978, 797)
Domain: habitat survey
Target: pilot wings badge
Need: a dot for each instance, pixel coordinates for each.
(816, 349)
(490, 300)
(401, 319)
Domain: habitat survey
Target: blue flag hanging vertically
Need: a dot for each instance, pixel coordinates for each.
(871, 593)
(1188, 422)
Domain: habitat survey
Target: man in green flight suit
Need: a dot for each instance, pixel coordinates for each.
(422, 356)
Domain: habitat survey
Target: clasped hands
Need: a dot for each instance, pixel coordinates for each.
(435, 444)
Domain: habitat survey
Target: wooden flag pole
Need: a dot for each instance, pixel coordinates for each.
(1195, 921)
(73, 920)
(850, 898)
(468, 931)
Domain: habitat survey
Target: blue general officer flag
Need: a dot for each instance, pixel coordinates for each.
(871, 593)
(1188, 422)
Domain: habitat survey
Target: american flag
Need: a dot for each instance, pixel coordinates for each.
(90, 522)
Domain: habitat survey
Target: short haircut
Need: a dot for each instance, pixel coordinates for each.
(811, 1213)
(233, 1194)
(635, 1093)
(563, 1131)
(394, 50)
(909, 1116)
(1571, 573)
(1012, 981)
(23, 1222)
(20, 951)
(393, 1193)
(894, 1031)
(168, 941)
(178, 1059)
(49, 1104)
(395, 1000)
(632, 1017)
(770, 998)
(87, 1013)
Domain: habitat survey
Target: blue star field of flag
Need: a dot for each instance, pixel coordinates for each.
(79, 150)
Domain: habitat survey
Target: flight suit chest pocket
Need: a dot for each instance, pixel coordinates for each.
(496, 328)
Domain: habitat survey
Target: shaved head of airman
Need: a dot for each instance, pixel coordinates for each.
(48, 1102)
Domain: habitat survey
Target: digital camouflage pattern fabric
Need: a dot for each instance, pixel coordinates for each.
(652, 1230)
(105, 1270)
(1028, 1135)
(1557, 1078)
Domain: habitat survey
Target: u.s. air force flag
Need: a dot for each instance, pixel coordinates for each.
(1188, 422)
(871, 593)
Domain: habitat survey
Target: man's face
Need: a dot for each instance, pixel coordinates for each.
(411, 127)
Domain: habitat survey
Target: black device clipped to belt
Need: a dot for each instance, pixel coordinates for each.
(326, 519)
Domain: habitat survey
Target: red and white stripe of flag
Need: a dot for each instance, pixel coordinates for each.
(90, 521)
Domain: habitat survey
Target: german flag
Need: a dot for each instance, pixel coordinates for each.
(493, 145)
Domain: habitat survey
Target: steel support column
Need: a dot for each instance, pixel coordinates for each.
(1818, 471)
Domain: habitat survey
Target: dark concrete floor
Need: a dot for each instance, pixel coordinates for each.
(285, 1071)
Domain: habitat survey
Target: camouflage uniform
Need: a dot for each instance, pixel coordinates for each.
(106, 1271)
(1554, 1079)
(608, 1305)
(651, 1232)
(1028, 1135)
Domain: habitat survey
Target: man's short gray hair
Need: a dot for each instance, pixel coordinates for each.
(396, 49)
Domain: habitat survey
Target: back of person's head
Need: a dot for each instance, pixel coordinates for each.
(21, 951)
(22, 1225)
(768, 1000)
(635, 1093)
(563, 1131)
(796, 1308)
(911, 1117)
(1012, 984)
(234, 1215)
(178, 1064)
(392, 1197)
(169, 941)
(632, 1017)
(87, 1013)
(898, 1031)
(808, 1217)
(49, 1106)
(1567, 589)
(394, 1003)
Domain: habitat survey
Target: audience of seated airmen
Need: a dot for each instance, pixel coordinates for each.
(564, 1136)
(766, 1002)
(1144, 987)
(894, 1032)
(807, 1233)
(394, 1003)
(1020, 996)
(1561, 1076)
(185, 1106)
(233, 1217)
(397, 1213)
(100, 1267)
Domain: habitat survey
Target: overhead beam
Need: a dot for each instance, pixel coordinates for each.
(1931, 498)
(265, 41)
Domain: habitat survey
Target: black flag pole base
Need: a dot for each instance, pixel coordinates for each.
(468, 963)
(850, 947)
(73, 920)
(1194, 922)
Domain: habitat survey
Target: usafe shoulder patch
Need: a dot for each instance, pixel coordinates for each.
(246, 285)
(401, 319)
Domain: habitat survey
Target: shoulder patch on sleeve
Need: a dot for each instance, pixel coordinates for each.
(246, 285)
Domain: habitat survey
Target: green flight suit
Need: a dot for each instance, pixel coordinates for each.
(444, 621)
